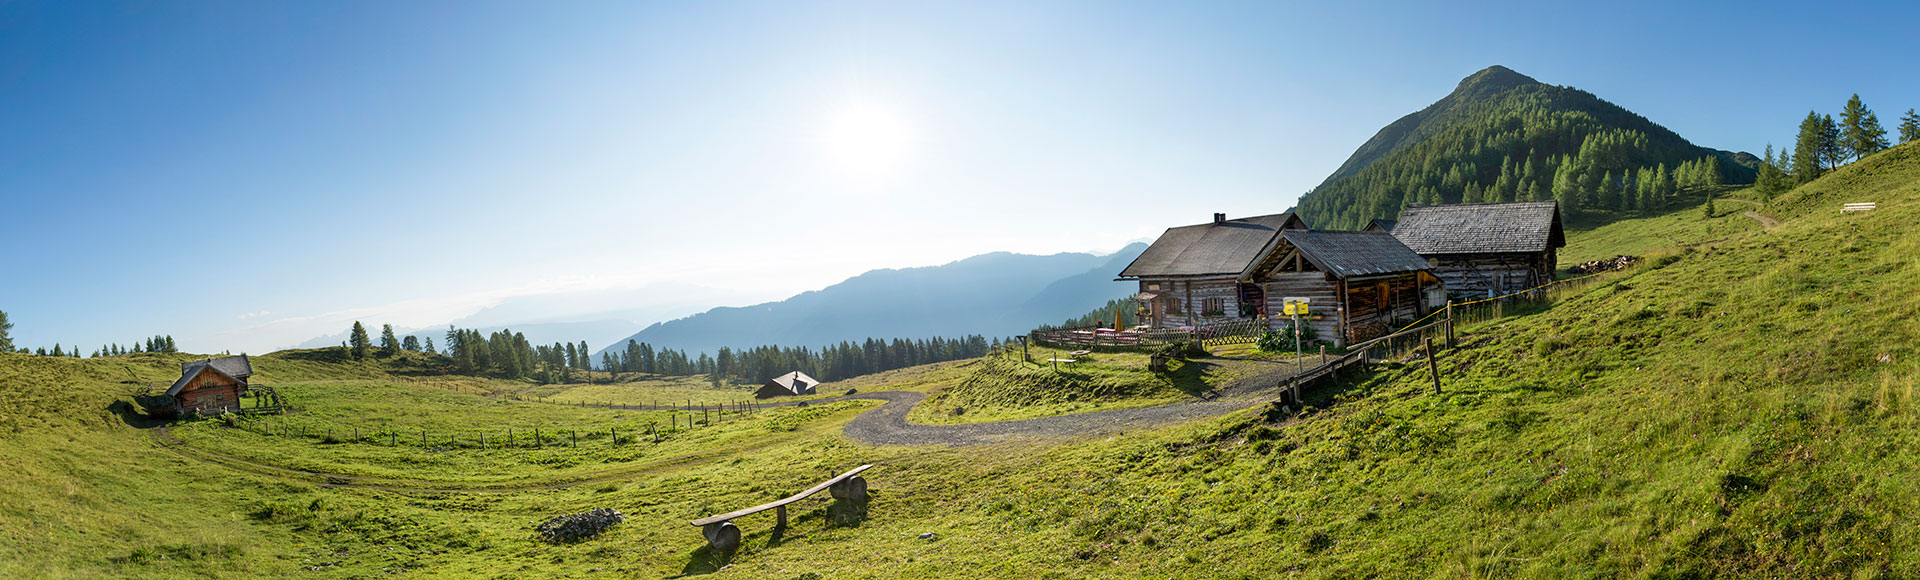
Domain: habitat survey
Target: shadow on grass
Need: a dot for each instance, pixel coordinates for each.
(133, 416)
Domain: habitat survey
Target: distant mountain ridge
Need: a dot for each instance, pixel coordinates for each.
(1501, 136)
(996, 295)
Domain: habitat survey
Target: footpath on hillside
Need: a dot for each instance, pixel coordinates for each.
(1765, 222)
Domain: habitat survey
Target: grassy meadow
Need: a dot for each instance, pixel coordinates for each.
(1742, 403)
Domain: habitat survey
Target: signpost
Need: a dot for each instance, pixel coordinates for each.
(1296, 308)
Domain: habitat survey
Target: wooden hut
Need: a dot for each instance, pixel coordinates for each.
(1485, 249)
(1191, 275)
(1379, 226)
(210, 386)
(1357, 283)
(788, 385)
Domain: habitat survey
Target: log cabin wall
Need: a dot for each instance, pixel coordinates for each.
(1375, 304)
(1485, 275)
(1322, 294)
(208, 393)
(1183, 302)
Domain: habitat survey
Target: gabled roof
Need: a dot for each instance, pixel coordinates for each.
(1379, 226)
(233, 367)
(1481, 228)
(796, 381)
(1221, 248)
(1349, 254)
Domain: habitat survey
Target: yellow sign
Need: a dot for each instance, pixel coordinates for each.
(1294, 306)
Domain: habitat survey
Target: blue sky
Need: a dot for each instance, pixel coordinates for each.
(247, 175)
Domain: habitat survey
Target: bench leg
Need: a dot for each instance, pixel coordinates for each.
(853, 488)
(723, 536)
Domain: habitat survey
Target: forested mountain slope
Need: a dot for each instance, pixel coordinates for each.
(1503, 136)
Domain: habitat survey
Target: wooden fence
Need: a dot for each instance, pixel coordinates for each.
(678, 421)
(1235, 332)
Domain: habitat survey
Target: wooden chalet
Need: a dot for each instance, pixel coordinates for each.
(212, 386)
(1485, 249)
(1357, 283)
(788, 385)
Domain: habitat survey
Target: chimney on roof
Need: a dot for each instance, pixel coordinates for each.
(1219, 218)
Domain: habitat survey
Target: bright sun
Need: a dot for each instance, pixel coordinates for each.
(866, 140)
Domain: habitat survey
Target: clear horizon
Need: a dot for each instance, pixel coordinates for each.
(248, 176)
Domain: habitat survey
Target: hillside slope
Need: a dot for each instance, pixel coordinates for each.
(998, 294)
(1502, 136)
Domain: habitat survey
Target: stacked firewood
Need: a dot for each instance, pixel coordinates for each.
(1606, 265)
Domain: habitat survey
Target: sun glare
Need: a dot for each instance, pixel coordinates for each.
(866, 140)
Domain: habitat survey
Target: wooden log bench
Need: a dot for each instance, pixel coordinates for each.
(1861, 206)
(724, 536)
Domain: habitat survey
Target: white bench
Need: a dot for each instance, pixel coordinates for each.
(1864, 206)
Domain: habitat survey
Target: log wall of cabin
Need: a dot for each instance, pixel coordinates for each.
(208, 393)
(1191, 295)
(1401, 304)
(1483, 275)
(1322, 296)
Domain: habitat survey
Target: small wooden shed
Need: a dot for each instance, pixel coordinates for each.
(210, 386)
(788, 385)
(1485, 249)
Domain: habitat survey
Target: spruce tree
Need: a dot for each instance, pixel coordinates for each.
(6, 340)
(1852, 131)
(427, 346)
(358, 341)
(1832, 147)
(1806, 150)
(586, 357)
(1909, 127)
(389, 344)
(1706, 209)
(410, 342)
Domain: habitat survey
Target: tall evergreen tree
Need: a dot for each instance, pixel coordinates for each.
(1771, 180)
(410, 342)
(358, 341)
(586, 357)
(6, 340)
(389, 344)
(1807, 161)
(1861, 132)
(1832, 145)
(1909, 127)
(427, 346)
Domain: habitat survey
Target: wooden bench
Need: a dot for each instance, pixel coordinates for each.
(724, 536)
(1865, 206)
(1080, 353)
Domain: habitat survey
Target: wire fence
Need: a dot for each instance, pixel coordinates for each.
(524, 437)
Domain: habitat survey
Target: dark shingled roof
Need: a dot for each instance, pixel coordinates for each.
(1348, 254)
(1225, 248)
(234, 367)
(1379, 226)
(1481, 228)
(796, 381)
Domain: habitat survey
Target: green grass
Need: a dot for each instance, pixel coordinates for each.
(1004, 388)
(1742, 405)
(1647, 232)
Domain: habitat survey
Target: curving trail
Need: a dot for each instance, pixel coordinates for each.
(886, 425)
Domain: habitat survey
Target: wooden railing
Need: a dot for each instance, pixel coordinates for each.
(1235, 332)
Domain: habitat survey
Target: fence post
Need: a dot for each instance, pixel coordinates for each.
(1432, 367)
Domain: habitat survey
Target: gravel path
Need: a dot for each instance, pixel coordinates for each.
(888, 424)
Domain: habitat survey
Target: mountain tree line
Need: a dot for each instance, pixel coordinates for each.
(508, 354)
(1125, 308)
(1531, 144)
(1824, 144)
(158, 343)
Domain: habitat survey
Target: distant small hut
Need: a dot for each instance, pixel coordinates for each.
(212, 386)
(1485, 249)
(1380, 226)
(788, 385)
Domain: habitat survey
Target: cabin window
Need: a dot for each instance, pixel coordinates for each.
(1214, 307)
(1173, 305)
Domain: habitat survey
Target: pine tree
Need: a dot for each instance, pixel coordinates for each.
(1862, 134)
(1806, 150)
(1832, 147)
(410, 342)
(6, 340)
(358, 341)
(389, 344)
(1909, 127)
(427, 346)
(1771, 180)
(586, 357)
(1710, 172)
(1706, 209)
(56, 350)
(1472, 194)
